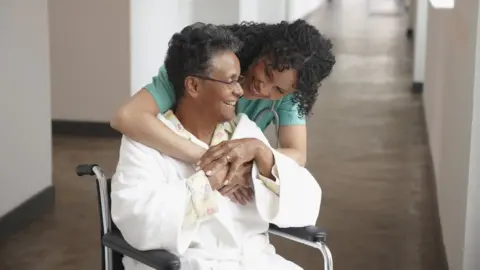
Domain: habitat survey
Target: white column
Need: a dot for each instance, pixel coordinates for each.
(298, 9)
(152, 23)
(272, 11)
(420, 40)
(249, 10)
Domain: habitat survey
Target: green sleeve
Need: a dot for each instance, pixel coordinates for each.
(162, 90)
(288, 112)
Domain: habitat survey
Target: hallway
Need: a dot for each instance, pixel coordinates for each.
(367, 148)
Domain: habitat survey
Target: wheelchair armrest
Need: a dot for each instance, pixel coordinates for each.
(158, 259)
(309, 233)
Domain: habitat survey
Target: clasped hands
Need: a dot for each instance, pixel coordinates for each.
(228, 166)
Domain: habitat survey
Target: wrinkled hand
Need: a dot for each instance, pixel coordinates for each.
(233, 152)
(242, 177)
(242, 195)
(239, 189)
(217, 180)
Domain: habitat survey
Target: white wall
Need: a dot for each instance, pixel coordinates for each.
(249, 10)
(449, 106)
(151, 27)
(268, 11)
(25, 147)
(90, 58)
(471, 258)
(272, 11)
(216, 11)
(300, 8)
(104, 51)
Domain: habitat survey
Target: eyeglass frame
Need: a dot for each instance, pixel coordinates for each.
(239, 80)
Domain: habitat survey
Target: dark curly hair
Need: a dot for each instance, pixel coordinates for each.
(296, 45)
(190, 51)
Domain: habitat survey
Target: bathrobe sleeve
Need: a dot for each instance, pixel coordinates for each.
(153, 207)
(293, 199)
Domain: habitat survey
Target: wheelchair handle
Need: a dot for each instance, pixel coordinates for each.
(85, 169)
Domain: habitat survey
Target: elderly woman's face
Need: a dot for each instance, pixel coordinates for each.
(262, 82)
(220, 90)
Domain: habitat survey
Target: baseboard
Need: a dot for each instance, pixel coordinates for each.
(417, 87)
(20, 217)
(83, 129)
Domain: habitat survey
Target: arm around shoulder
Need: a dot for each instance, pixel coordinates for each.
(137, 119)
(132, 114)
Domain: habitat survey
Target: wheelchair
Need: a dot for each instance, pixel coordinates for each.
(114, 247)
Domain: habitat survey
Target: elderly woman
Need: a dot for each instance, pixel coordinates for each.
(283, 64)
(160, 202)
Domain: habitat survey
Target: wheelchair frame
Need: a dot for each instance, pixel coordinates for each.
(114, 247)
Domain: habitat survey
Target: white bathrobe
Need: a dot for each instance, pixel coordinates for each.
(152, 199)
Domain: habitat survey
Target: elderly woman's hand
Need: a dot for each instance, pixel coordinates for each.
(239, 189)
(217, 180)
(242, 195)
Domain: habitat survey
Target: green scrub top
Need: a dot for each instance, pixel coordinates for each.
(162, 91)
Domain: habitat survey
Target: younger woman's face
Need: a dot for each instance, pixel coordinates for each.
(263, 82)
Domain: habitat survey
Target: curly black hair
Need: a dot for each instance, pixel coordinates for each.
(190, 51)
(296, 45)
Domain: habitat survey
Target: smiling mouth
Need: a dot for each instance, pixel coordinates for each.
(230, 103)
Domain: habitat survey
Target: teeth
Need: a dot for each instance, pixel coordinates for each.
(231, 103)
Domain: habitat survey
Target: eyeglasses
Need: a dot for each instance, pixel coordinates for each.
(239, 80)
